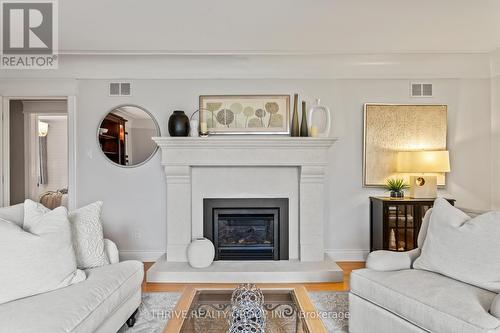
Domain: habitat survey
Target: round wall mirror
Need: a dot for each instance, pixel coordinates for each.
(125, 133)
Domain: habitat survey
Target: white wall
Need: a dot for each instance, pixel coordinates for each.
(135, 211)
(495, 130)
(468, 120)
(134, 198)
(495, 142)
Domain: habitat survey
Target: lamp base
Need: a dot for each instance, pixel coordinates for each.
(423, 187)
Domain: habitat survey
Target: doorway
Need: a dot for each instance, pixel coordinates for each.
(37, 152)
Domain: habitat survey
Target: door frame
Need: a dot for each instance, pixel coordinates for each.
(5, 146)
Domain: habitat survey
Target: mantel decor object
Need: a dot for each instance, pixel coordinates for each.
(178, 124)
(318, 128)
(245, 114)
(304, 130)
(295, 116)
(194, 124)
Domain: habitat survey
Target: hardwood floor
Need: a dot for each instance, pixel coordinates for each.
(347, 267)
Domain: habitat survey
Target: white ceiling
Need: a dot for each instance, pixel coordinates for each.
(279, 26)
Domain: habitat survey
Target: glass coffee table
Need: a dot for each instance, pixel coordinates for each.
(208, 310)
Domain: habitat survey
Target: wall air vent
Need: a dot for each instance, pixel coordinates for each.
(421, 89)
(120, 89)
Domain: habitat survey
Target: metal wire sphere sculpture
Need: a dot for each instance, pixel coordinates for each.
(247, 312)
(246, 328)
(247, 293)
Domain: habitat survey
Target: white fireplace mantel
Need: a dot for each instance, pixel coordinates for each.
(309, 155)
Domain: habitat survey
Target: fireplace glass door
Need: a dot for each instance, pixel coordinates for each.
(246, 234)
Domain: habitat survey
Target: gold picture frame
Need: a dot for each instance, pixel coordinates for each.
(245, 114)
(389, 128)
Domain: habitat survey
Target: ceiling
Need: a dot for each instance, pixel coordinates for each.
(279, 26)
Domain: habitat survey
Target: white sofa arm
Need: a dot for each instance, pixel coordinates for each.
(391, 261)
(111, 251)
(495, 307)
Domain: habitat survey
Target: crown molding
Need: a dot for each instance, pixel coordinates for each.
(265, 66)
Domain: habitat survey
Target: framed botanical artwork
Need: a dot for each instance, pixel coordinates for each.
(245, 114)
(390, 128)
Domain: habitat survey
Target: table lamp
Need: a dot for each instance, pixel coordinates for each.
(427, 163)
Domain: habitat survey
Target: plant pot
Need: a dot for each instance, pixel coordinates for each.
(178, 124)
(201, 253)
(397, 194)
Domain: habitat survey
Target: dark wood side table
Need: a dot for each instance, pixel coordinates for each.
(395, 222)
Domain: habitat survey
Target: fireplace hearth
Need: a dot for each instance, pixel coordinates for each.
(247, 229)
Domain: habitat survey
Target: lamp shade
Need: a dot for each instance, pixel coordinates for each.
(43, 128)
(423, 161)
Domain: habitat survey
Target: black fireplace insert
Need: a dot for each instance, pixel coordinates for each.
(247, 229)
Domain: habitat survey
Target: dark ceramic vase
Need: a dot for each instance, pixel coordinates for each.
(295, 130)
(178, 124)
(304, 131)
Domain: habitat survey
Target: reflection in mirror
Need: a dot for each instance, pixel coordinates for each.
(125, 135)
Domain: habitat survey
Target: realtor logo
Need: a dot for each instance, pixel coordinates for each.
(29, 34)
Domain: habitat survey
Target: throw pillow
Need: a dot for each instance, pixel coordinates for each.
(461, 247)
(13, 214)
(38, 259)
(88, 238)
(495, 307)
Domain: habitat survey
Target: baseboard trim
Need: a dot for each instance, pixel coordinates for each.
(347, 254)
(144, 256)
(333, 254)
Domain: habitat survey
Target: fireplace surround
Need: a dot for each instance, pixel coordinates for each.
(247, 229)
(242, 167)
(243, 157)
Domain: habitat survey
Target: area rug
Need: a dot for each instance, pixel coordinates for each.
(156, 309)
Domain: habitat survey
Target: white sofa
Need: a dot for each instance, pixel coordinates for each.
(390, 296)
(102, 303)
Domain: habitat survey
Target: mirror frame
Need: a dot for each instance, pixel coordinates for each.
(153, 153)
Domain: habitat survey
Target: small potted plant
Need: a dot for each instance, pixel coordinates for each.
(396, 187)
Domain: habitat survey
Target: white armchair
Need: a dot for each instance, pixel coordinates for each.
(389, 296)
(395, 261)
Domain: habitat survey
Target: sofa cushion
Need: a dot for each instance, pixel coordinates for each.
(79, 308)
(495, 307)
(88, 239)
(431, 301)
(455, 241)
(423, 228)
(38, 259)
(86, 231)
(13, 214)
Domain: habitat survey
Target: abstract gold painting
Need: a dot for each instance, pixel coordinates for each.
(389, 128)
